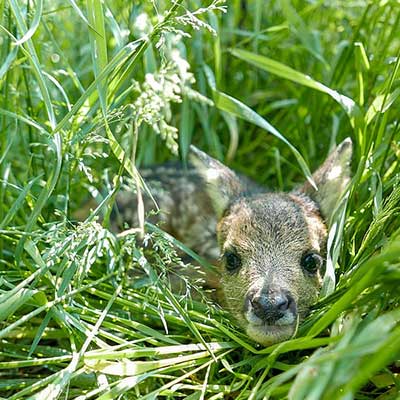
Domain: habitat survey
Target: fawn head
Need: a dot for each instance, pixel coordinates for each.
(272, 245)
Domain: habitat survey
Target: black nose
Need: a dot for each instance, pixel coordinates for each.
(270, 306)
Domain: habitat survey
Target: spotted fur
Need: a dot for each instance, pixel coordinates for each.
(228, 219)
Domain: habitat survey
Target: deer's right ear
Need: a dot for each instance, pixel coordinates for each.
(331, 178)
(222, 184)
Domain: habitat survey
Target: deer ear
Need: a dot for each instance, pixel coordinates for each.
(222, 184)
(331, 179)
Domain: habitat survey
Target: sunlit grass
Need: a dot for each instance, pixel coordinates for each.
(92, 91)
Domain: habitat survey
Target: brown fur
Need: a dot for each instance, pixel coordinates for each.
(217, 213)
(287, 226)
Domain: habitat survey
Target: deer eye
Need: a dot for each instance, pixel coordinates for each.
(311, 262)
(233, 261)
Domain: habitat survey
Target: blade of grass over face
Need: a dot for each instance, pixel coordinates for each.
(363, 278)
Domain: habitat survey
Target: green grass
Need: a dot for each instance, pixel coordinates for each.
(90, 91)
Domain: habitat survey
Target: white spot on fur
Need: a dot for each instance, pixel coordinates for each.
(212, 174)
(267, 335)
(334, 173)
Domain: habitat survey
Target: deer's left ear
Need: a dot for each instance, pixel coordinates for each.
(331, 179)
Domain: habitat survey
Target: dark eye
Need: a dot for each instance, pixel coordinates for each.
(232, 260)
(311, 262)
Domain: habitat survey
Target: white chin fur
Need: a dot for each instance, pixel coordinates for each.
(287, 319)
(267, 335)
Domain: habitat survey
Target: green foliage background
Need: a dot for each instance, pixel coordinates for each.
(90, 91)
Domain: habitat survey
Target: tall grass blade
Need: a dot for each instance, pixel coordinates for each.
(275, 67)
(34, 61)
(34, 25)
(238, 109)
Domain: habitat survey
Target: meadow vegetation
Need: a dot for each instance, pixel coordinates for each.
(92, 91)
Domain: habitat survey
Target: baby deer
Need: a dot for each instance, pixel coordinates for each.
(269, 247)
